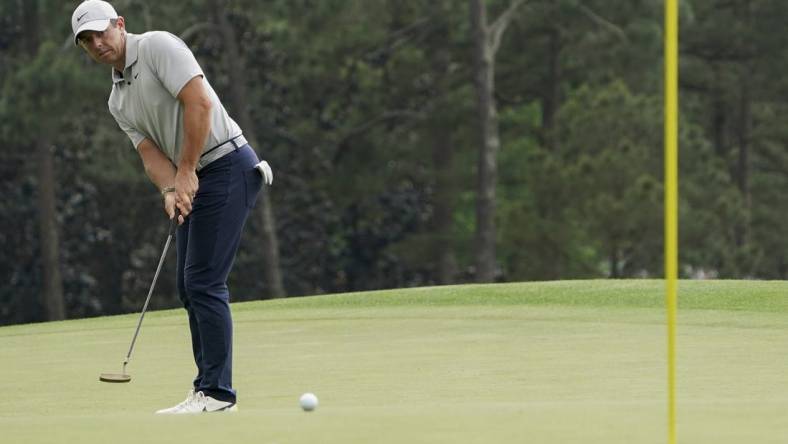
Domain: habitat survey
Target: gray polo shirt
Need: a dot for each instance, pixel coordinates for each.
(144, 97)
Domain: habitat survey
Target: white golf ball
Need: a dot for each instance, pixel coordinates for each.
(308, 402)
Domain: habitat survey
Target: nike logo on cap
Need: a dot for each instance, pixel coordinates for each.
(80, 17)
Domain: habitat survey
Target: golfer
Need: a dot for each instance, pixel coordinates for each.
(206, 172)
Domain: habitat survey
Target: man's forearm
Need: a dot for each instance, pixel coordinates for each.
(158, 167)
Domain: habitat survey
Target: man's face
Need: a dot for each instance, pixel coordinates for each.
(108, 46)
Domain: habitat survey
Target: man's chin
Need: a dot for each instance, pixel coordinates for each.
(105, 59)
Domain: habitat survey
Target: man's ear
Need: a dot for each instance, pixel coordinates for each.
(121, 24)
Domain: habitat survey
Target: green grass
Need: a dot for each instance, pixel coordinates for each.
(558, 362)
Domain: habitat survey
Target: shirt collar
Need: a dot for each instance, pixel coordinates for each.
(132, 44)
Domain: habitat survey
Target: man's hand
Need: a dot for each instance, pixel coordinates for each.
(170, 207)
(186, 185)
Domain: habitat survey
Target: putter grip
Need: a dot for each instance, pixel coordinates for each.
(174, 222)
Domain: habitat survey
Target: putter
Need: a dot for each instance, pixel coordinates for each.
(123, 376)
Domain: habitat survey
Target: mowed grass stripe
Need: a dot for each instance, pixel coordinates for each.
(762, 296)
(759, 296)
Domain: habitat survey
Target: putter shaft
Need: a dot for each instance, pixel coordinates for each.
(173, 226)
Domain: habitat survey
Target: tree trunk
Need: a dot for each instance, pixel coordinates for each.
(743, 136)
(614, 262)
(235, 66)
(446, 184)
(718, 122)
(487, 122)
(442, 221)
(550, 95)
(743, 159)
(486, 39)
(52, 291)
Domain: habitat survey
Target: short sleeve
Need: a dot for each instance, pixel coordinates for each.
(172, 61)
(135, 136)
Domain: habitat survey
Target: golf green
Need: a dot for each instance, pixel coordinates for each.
(555, 362)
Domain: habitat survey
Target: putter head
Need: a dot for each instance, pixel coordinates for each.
(114, 377)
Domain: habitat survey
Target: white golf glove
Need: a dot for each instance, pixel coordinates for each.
(265, 171)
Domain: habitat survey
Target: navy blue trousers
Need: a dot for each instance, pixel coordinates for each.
(207, 242)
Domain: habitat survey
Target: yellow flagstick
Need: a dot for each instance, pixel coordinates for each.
(671, 199)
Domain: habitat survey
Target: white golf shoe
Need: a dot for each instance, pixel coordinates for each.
(198, 403)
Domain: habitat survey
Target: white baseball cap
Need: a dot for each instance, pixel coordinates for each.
(92, 15)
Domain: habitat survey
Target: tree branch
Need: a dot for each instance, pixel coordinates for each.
(601, 21)
(386, 116)
(192, 30)
(499, 25)
(774, 162)
(283, 134)
(397, 38)
(366, 126)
